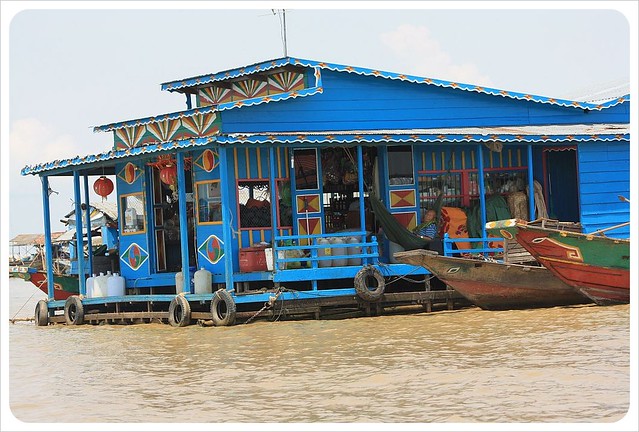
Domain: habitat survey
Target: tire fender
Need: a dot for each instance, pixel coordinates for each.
(74, 311)
(41, 314)
(366, 290)
(179, 312)
(223, 309)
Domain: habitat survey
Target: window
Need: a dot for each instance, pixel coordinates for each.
(209, 202)
(132, 213)
(254, 199)
(305, 163)
(449, 184)
(400, 165)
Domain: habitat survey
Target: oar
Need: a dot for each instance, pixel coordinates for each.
(623, 198)
(611, 228)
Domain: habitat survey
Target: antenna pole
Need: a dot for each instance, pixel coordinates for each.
(284, 20)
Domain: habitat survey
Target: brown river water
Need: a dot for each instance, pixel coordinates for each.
(559, 365)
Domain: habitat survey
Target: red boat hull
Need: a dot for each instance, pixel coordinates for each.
(604, 285)
(63, 286)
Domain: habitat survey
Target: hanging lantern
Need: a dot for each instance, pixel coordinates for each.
(168, 174)
(103, 187)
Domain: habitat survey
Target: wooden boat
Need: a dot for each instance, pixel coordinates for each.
(64, 286)
(596, 265)
(494, 285)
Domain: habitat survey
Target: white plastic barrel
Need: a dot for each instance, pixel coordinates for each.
(354, 250)
(324, 251)
(100, 285)
(116, 285)
(339, 251)
(179, 282)
(203, 280)
(89, 285)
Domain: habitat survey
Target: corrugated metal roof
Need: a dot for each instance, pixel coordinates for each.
(281, 62)
(505, 134)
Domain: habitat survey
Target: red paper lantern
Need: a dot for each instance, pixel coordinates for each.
(103, 186)
(168, 174)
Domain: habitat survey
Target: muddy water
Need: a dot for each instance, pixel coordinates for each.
(566, 365)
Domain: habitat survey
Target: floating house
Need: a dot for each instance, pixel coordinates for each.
(264, 180)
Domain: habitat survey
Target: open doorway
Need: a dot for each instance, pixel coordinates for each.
(561, 188)
(166, 221)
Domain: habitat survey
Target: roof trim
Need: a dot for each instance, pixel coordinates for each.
(271, 64)
(309, 91)
(508, 134)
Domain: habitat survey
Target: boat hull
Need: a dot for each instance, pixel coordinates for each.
(599, 267)
(497, 286)
(63, 286)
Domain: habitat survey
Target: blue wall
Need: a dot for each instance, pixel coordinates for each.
(354, 102)
(604, 173)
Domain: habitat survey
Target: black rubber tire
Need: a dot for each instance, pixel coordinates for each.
(74, 311)
(41, 314)
(223, 309)
(366, 292)
(179, 312)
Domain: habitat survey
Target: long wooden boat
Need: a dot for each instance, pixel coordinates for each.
(64, 286)
(494, 285)
(596, 265)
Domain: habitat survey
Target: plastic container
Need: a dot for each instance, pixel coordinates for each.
(100, 285)
(179, 282)
(89, 285)
(339, 251)
(324, 251)
(203, 281)
(116, 286)
(354, 250)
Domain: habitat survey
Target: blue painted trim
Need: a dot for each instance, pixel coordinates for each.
(184, 226)
(48, 248)
(276, 63)
(226, 222)
(482, 190)
(360, 189)
(531, 185)
(88, 217)
(65, 165)
(274, 200)
(79, 232)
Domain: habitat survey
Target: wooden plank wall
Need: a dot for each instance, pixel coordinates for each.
(352, 102)
(604, 173)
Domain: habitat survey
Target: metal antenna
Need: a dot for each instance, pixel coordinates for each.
(283, 27)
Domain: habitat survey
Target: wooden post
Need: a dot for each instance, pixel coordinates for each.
(184, 227)
(47, 236)
(531, 185)
(79, 235)
(88, 216)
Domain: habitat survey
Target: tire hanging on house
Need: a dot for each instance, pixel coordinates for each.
(365, 289)
(74, 311)
(179, 312)
(41, 314)
(223, 308)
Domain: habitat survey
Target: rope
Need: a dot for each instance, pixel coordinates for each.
(267, 305)
(14, 316)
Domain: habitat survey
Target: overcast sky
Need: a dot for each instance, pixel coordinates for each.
(74, 69)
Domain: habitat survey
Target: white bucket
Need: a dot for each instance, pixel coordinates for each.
(324, 251)
(354, 250)
(100, 288)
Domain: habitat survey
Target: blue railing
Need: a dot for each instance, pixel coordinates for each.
(310, 252)
(484, 249)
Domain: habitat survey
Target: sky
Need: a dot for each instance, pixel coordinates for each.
(66, 69)
(72, 69)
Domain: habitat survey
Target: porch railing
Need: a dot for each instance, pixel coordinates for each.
(309, 253)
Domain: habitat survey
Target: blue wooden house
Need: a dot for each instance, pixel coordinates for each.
(263, 179)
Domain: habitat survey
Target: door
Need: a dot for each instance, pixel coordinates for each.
(562, 189)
